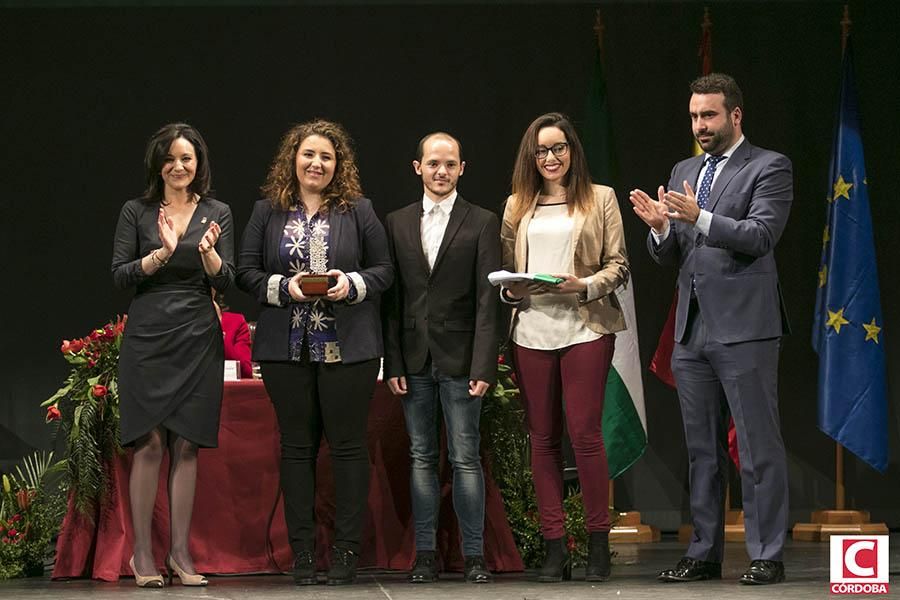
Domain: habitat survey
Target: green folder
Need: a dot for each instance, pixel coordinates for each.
(548, 279)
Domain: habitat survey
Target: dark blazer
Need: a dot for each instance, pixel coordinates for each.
(357, 245)
(451, 311)
(733, 268)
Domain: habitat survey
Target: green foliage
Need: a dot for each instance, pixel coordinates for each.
(32, 505)
(87, 407)
(506, 441)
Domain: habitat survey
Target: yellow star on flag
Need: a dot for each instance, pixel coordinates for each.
(825, 236)
(871, 331)
(841, 188)
(823, 275)
(836, 319)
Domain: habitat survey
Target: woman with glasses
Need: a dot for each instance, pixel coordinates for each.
(557, 222)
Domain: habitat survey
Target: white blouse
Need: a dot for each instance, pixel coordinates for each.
(551, 321)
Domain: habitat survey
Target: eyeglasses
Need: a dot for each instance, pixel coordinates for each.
(559, 150)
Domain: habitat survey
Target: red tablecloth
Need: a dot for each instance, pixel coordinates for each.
(238, 524)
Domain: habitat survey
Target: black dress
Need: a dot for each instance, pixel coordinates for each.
(172, 355)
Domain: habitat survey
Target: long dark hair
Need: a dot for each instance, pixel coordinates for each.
(527, 180)
(155, 158)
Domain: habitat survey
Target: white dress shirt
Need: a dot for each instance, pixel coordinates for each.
(435, 216)
(704, 220)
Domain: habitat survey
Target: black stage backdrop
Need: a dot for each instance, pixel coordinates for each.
(83, 88)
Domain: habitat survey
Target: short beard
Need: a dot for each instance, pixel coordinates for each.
(721, 140)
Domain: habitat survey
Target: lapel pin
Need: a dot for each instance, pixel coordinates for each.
(203, 220)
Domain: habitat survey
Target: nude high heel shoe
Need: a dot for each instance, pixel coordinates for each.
(186, 578)
(151, 581)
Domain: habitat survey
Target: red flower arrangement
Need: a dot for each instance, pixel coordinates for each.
(89, 402)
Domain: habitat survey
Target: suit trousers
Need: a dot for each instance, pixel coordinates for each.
(578, 373)
(311, 399)
(713, 379)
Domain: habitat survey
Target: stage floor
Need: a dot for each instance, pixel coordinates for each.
(634, 570)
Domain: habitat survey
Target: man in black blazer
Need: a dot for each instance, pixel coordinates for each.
(441, 334)
(728, 326)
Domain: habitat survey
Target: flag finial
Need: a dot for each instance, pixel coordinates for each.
(845, 27)
(705, 49)
(598, 30)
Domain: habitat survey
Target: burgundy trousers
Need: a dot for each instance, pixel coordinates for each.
(577, 374)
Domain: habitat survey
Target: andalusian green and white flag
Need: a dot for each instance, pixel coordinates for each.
(624, 418)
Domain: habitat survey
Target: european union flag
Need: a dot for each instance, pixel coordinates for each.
(847, 327)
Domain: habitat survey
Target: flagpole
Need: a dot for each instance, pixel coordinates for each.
(838, 521)
(839, 492)
(845, 27)
(627, 526)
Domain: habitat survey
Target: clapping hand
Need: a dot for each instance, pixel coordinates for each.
(652, 212)
(167, 234)
(683, 207)
(209, 239)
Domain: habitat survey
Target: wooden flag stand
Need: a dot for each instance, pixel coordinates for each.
(628, 528)
(838, 521)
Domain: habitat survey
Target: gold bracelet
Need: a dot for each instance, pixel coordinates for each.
(157, 260)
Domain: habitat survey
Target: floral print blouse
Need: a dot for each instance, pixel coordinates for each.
(304, 248)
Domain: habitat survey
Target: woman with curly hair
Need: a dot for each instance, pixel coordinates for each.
(563, 335)
(318, 343)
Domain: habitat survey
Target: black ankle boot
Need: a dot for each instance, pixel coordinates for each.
(304, 570)
(343, 567)
(557, 565)
(598, 567)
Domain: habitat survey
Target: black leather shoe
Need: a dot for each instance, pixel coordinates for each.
(689, 569)
(304, 570)
(763, 572)
(425, 570)
(343, 567)
(476, 570)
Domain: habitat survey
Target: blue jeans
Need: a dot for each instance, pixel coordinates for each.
(462, 414)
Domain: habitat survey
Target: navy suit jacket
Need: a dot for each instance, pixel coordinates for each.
(357, 244)
(733, 268)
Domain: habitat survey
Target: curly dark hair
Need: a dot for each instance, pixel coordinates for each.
(282, 187)
(155, 157)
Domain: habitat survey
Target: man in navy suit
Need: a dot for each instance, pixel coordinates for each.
(728, 324)
(441, 333)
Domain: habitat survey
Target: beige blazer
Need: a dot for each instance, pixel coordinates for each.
(599, 256)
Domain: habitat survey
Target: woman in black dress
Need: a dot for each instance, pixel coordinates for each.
(319, 349)
(172, 245)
